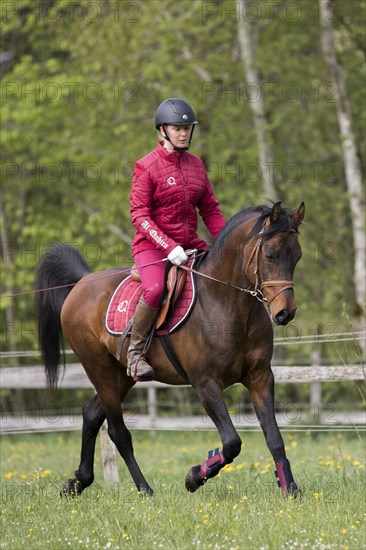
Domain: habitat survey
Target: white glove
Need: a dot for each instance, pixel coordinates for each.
(177, 256)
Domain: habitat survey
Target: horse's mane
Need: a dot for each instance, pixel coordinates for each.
(283, 224)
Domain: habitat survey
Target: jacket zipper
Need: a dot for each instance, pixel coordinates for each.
(185, 204)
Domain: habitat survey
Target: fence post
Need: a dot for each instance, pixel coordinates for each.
(109, 458)
(316, 389)
(152, 406)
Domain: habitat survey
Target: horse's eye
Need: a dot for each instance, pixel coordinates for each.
(271, 256)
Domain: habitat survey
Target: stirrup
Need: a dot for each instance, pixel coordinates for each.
(146, 371)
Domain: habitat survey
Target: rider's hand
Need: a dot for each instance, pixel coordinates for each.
(177, 256)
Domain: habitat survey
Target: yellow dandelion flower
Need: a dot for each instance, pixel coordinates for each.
(235, 506)
(46, 473)
(73, 511)
(24, 476)
(244, 498)
(358, 464)
(344, 531)
(293, 444)
(10, 475)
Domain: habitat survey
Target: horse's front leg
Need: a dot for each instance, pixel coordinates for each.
(261, 388)
(212, 399)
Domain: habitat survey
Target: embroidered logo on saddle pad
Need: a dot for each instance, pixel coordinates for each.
(126, 296)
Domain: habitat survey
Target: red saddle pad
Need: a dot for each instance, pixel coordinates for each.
(124, 301)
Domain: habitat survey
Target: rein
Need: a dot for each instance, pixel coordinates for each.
(256, 293)
(258, 286)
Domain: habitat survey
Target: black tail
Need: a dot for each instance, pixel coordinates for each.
(62, 265)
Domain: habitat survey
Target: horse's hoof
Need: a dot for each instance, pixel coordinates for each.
(70, 489)
(148, 492)
(294, 491)
(194, 479)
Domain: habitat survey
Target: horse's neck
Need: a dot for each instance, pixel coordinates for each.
(228, 262)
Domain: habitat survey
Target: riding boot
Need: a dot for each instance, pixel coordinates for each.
(144, 320)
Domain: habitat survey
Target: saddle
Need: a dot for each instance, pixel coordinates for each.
(175, 281)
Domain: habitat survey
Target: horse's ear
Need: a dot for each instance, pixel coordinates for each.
(298, 215)
(275, 212)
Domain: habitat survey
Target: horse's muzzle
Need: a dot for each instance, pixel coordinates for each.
(284, 316)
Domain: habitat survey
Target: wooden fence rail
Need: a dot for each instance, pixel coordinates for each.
(74, 376)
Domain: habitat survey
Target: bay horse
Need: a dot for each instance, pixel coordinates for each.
(227, 339)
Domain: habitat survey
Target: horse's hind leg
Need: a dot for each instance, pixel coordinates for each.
(115, 383)
(262, 394)
(122, 439)
(93, 418)
(212, 399)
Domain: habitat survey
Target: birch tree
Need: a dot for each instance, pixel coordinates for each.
(247, 47)
(351, 161)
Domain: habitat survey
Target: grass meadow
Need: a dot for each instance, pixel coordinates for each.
(242, 508)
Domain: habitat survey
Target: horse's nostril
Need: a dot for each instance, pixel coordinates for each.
(283, 317)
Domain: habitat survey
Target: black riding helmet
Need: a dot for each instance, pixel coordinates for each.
(177, 112)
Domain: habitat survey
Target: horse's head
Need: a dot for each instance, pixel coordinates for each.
(274, 256)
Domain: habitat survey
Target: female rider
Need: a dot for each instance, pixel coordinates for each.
(169, 186)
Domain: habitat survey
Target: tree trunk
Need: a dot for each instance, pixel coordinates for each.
(10, 317)
(255, 91)
(350, 159)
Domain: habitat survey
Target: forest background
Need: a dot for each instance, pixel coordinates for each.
(278, 88)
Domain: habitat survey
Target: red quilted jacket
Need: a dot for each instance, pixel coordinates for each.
(167, 190)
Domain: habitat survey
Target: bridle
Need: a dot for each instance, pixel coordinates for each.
(257, 292)
(258, 286)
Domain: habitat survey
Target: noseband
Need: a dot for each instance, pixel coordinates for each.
(259, 286)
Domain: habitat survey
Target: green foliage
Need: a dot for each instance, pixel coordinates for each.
(78, 100)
